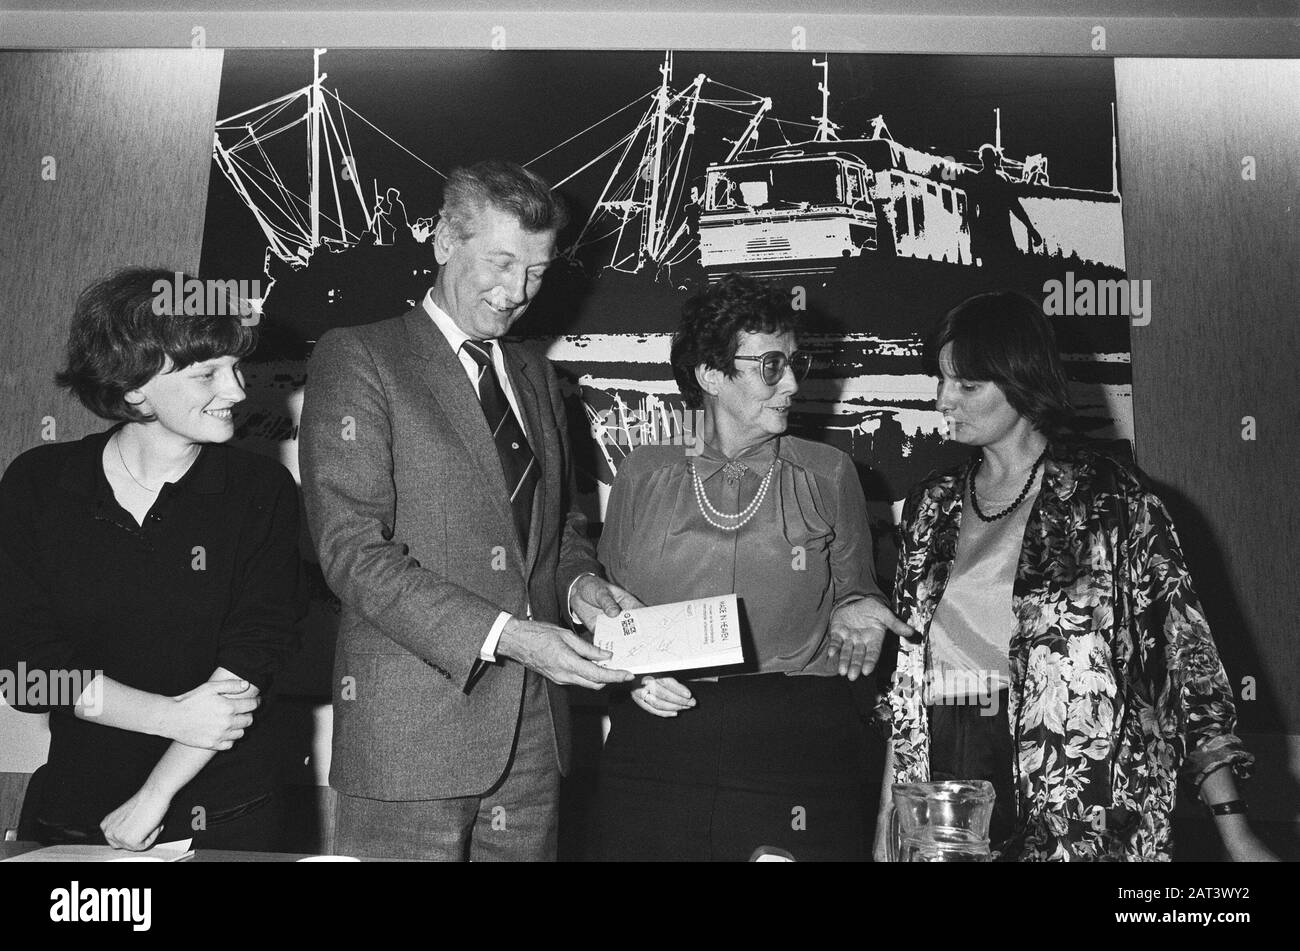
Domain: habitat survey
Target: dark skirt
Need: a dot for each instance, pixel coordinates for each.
(762, 760)
(969, 743)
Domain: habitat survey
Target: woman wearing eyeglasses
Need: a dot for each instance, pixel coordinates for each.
(771, 753)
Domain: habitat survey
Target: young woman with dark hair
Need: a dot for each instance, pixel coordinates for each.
(161, 567)
(1065, 657)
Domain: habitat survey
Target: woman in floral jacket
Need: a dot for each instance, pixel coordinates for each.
(1064, 656)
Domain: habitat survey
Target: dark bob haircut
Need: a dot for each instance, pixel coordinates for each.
(119, 340)
(712, 322)
(1004, 337)
(507, 187)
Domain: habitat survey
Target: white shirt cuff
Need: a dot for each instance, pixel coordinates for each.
(488, 651)
(568, 602)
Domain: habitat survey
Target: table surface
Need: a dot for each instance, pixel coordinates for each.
(10, 849)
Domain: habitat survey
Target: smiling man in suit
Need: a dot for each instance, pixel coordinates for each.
(437, 478)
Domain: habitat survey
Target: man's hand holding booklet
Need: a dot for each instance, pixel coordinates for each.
(685, 635)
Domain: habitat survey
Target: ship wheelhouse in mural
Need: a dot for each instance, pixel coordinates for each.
(790, 207)
(833, 199)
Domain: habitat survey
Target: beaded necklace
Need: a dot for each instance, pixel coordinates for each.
(747, 513)
(974, 503)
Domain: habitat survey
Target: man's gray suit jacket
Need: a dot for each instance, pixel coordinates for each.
(409, 511)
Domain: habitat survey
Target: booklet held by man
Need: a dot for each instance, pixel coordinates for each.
(685, 635)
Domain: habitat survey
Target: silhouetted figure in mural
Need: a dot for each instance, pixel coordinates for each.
(993, 200)
(887, 441)
(391, 224)
(694, 205)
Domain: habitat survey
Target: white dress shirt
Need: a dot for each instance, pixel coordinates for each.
(456, 339)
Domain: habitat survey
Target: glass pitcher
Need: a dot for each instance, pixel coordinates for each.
(941, 822)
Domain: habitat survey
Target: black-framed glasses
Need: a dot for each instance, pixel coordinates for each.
(773, 363)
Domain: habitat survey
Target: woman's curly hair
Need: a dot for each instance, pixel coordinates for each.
(709, 332)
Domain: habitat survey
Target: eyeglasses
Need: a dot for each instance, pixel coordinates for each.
(773, 363)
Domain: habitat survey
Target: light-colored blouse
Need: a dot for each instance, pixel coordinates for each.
(970, 634)
(806, 551)
(1117, 687)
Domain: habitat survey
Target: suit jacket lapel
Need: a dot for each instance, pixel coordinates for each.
(445, 376)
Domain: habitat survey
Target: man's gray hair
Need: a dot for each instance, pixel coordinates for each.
(507, 187)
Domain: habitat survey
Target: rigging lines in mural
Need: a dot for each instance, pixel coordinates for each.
(675, 183)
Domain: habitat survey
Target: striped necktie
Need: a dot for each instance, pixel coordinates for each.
(518, 463)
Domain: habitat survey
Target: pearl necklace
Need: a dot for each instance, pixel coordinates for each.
(708, 511)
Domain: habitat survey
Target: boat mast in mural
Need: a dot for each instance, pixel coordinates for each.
(799, 207)
(690, 183)
(794, 208)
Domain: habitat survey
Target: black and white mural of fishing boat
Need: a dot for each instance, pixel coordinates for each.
(677, 173)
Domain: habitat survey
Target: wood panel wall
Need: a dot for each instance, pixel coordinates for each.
(131, 135)
(1223, 257)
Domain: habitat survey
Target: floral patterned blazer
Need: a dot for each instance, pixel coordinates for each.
(1116, 686)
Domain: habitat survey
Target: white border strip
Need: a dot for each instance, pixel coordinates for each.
(1251, 37)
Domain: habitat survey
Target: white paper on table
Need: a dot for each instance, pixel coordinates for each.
(162, 852)
(685, 635)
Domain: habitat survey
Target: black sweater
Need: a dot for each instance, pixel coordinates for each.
(212, 579)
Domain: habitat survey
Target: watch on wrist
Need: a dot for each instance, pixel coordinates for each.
(1231, 807)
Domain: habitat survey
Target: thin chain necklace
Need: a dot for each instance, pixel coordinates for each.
(749, 511)
(974, 502)
(117, 442)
